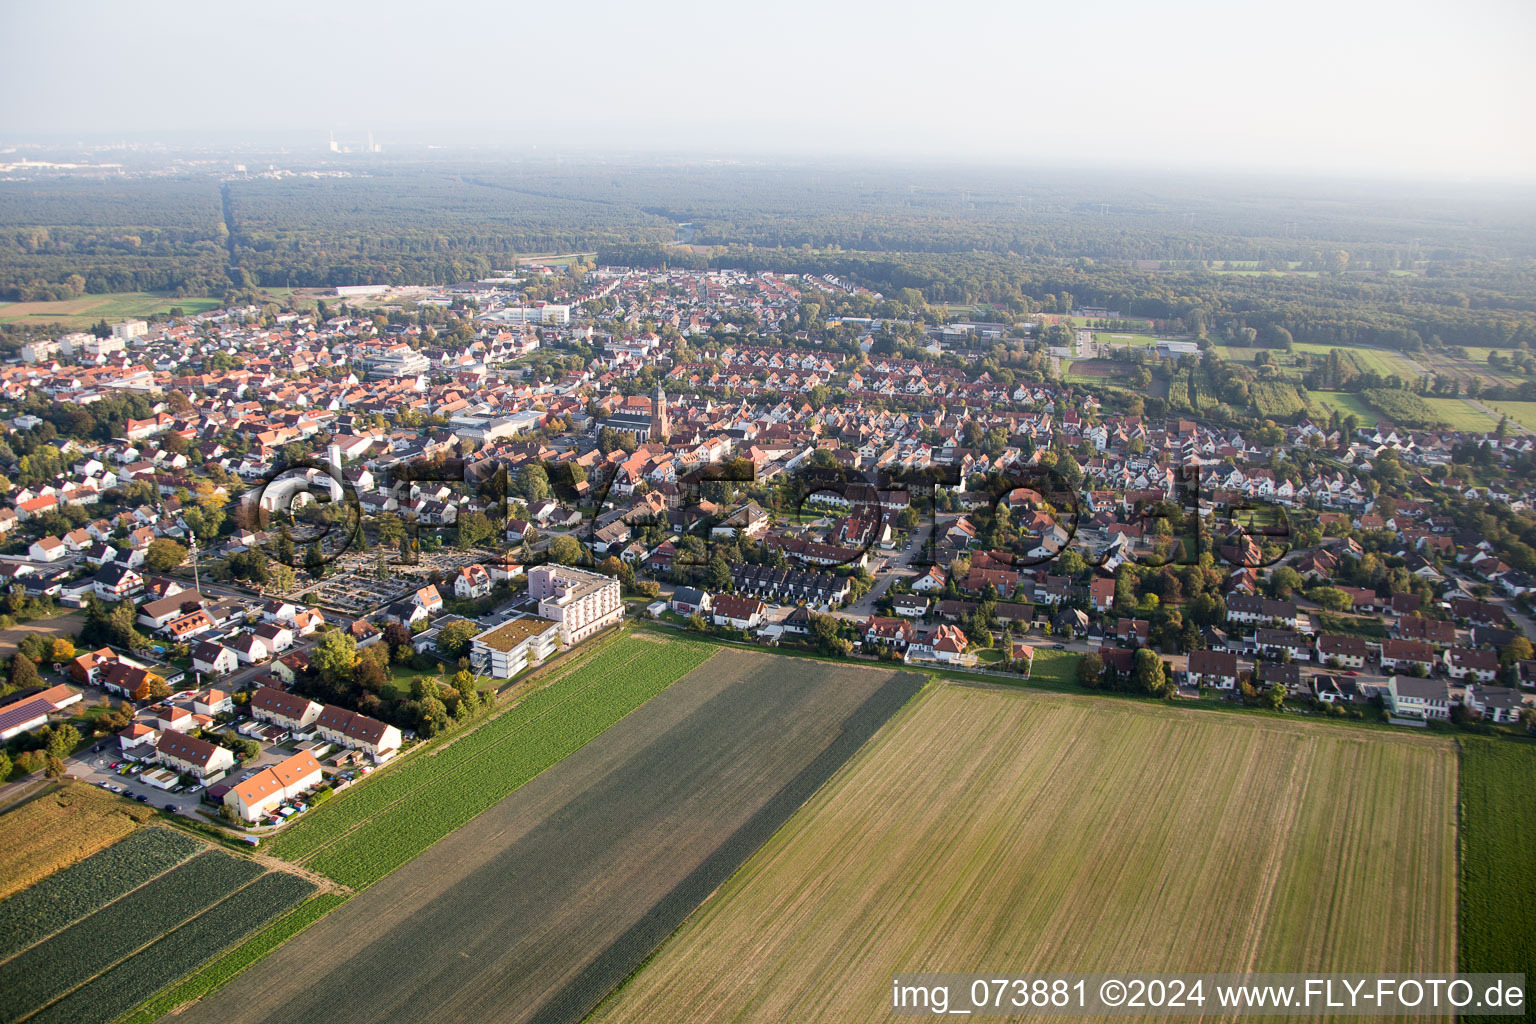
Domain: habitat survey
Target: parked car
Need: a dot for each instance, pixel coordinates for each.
(170, 807)
(141, 798)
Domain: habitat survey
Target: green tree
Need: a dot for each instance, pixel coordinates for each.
(1090, 667)
(454, 640)
(164, 554)
(23, 672)
(1149, 676)
(335, 656)
(565, 549)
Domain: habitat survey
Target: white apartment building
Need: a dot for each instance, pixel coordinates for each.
(581, 602)
(505, 650)
(130, 329)
(540, 313)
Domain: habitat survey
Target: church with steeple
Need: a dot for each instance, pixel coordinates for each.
(661, 427)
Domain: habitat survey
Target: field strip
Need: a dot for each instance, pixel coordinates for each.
(544, 684)
(130, 954)
(547, 898)
(996, 829)
(20, 913)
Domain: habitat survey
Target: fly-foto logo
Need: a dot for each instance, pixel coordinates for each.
(429, 497)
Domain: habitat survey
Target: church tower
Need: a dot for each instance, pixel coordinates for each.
(661, 428)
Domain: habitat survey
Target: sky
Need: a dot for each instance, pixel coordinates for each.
(1395, 88)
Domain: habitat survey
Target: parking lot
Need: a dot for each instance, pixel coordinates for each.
(95, 766)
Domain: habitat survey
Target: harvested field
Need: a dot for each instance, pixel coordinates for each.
(992, 830)
(540, 905)
(65, 824)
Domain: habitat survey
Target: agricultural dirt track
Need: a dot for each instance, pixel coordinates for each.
(1006, 832)
(539, 906)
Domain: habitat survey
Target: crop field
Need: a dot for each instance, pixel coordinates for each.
(54, 830)
(1498, 873)
(172, 955)
(361, 836)
(996, 830)
(91, 309)
(106, 960)
(60, 900)
(538, 907)
(1276, 398)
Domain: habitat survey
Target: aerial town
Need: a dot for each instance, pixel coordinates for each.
(214, 668)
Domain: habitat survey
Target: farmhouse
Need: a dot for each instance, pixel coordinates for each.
(1418, 698)
(1468, 663)
(1400, 654)
(1214, 669)
(1341, 651)
(737, 612)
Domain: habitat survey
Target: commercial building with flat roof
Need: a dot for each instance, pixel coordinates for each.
(505, 650)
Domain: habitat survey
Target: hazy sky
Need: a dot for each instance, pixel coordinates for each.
(1404, 87)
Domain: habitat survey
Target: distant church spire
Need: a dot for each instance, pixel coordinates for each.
(661, 427)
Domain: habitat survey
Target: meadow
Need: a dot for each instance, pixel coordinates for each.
(1016, 831)
(1346, 403)
(111, 307)
(1523, 413)
(1498, 872)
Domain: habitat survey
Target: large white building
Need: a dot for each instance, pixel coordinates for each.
(539, 313)
(505, 650)
(581, 602)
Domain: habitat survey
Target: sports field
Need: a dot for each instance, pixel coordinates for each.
(542, 904)
(989, 830)
(1121, 338)
(91, 309)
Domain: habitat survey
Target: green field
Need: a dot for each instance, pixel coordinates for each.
(1345, 403)
(366, 833)
(1022, 831)
(1498, 866)
(111, 307)
(1458, 414)
(1523, 413)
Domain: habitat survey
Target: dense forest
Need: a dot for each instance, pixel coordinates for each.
(1337, 264)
